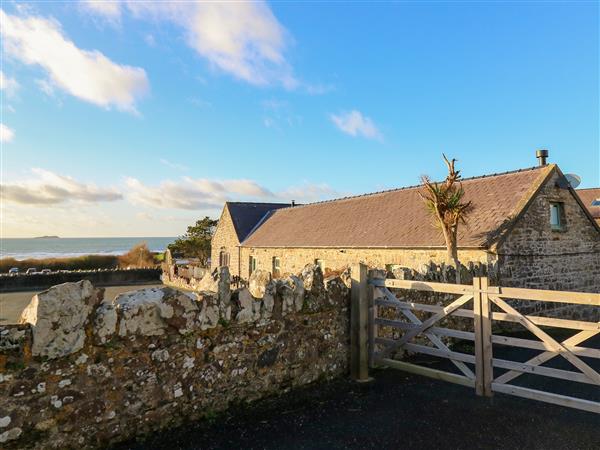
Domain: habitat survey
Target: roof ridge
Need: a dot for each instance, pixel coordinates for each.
(587, 189)
(257, 203)
(404, 188)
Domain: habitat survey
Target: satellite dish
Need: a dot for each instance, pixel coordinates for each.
(574, 180)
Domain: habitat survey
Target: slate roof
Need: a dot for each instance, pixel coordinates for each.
(587, 196)
(246, 215)
(398, 218)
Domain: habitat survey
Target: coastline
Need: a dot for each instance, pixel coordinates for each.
(35, 248)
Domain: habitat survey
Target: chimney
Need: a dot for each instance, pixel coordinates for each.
(541, 155)
(293, 203)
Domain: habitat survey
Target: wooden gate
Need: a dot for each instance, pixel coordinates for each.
(385, 324)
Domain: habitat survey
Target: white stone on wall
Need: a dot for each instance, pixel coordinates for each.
(58, 317)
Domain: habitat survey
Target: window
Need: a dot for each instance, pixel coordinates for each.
(223, 259)
(251, 265)
(557, 216)
(276, 266)
(596, 202)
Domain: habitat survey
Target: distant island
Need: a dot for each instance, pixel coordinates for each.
(46, 237)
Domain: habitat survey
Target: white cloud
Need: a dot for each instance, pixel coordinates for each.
(149, 40)
(173, 165)
(8, 84)
(243, 39)
(355, 124)
(45, 86)
(309, 192)
(85, 74)
(49, 188)
(6, 134)
(278, 114)
(108, 8)
(203, 193)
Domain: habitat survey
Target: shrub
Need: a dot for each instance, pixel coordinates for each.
(86, 262)
(138, 256)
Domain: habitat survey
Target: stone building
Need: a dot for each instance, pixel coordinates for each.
(237, 220)
(529, 225)
(591, 200)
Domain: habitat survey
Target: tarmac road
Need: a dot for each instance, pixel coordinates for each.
(13, 303)
(397, 410)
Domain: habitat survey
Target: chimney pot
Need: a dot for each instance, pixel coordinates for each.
(293, 202)
(541, 155)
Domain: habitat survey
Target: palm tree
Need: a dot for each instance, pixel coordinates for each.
(445, 202)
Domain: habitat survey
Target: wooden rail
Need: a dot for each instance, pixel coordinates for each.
(483, 304)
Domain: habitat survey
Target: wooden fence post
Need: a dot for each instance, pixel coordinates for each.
(479, 389)
(359, 312)
(486, 339)
(484, 370)
(373, 329)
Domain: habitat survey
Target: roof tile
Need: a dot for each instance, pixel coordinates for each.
(395, 218)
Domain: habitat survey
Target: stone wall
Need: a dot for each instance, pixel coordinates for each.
(535, 256)
(100, 277)
(81, 373)
(225, 238)
(294, 259)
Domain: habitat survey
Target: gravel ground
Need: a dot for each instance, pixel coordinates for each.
(396, 410)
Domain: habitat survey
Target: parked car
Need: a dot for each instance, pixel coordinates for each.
(31, 271)
(14, 271)
(46, 271)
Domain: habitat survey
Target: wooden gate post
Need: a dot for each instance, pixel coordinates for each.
(486, 339)
(359, 314)
(482, 325)
(477, 329)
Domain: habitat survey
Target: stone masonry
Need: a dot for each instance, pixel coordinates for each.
(158, 357)
(225, 238)
(535, 256)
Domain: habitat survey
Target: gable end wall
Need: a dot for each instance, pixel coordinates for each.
(225, 237)
(535, 256)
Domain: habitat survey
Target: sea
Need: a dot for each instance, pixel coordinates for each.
(51, 247)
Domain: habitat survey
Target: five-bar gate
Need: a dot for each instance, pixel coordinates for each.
(385, 324)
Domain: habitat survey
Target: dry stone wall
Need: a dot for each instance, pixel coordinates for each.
(80, 373)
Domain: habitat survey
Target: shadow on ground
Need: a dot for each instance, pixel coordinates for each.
(396, 410)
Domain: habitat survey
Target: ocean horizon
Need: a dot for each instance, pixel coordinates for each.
(53, 247)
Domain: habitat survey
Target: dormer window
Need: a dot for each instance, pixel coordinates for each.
(557, 216)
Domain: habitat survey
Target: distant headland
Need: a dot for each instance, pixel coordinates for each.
(46, 237)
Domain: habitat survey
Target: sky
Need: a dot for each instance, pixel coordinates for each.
(136, 118)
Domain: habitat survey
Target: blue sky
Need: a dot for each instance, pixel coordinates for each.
(135, 118)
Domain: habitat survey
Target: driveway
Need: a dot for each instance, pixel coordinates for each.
(395, 411)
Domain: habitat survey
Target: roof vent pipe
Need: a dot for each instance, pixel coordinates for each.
(541, 155)
(293, 203)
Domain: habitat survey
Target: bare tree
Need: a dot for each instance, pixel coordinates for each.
(445, 202)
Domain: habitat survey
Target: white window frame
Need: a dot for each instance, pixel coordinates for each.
(276, 264)
(557, 216)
